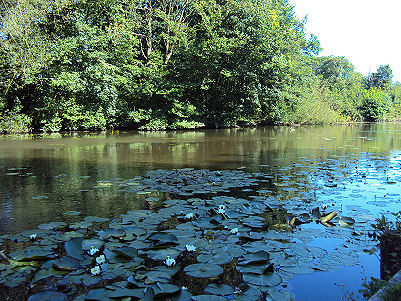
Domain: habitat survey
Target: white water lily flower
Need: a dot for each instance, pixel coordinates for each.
(95, 270)
(190, 248)
(222, 209)
(93, 250)
(32, 236)
(189, 215)
(100, 259)
(169, 261)
(234, 231)
(184, 288)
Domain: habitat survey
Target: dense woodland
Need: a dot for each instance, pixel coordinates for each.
(157, 64)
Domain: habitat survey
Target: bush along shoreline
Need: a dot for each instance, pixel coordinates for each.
(75, 65)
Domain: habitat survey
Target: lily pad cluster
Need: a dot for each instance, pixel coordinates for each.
(240, 247)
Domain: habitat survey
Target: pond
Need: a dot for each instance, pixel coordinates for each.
(276, 186)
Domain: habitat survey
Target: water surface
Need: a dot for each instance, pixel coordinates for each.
(355, 169)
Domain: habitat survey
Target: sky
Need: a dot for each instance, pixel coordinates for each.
(366, 32)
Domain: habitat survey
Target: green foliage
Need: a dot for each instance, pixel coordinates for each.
(14, 120)
(375, 104)
(380, 79)
(372, 287)
(176, 64)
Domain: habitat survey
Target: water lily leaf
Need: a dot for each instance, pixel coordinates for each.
(72, 213)
(137, 231)
(208, 298)
(280, 295)
(68, 236)
(139, 245)
(149, 294)
(127, 252)
(344, 221)
(169, 270)
(88, 243)
(163, 238)
(162, 254)
(109, 232)
(125, 292)
(162, 289)
(258, 269)
(219, 289)
(40, 197)
(250, 293)
(298, 269)
(45, 273)
(149, 277)
(203, 270)
(89, 280)
(219, 258)
(52, 226)
(33, 253)
(254, 258)
(17, 280)
(268, 279)
(73, 248)
(328, 217)
(49, 295)
(183, 295)
(95, 219)
(66, 263)
(97, 294)
(81, 225)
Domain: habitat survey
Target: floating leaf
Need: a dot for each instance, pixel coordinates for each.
(280, 295)
(66, 263)
(52, 226)
(255, 258)
(127, 252)
(219, 258)
(208, 298)
(33, 253)
(345, 221)
(219, 289)
(269, 279)
(163, 238)
(95, 219)
(49, 295)
(328, 217)
(203, 270)
(73, 248)
(125, 292)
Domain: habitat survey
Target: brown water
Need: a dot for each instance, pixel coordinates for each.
(44, 176)
(41, 177)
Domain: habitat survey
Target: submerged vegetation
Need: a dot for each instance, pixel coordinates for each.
(80, 65)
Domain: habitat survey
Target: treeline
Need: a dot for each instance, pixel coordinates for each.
(157, 64)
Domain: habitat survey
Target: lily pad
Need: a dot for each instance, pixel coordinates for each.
(49, 295)
(127, 252)
(203, 270)
(95, 219)
(219, 289)
(215, 258)
(66, 264)
(52, 226)
(255, 258)
(33, 253)
(268, 279)
(73, 248)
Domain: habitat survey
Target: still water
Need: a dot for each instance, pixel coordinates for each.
(355, 169)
